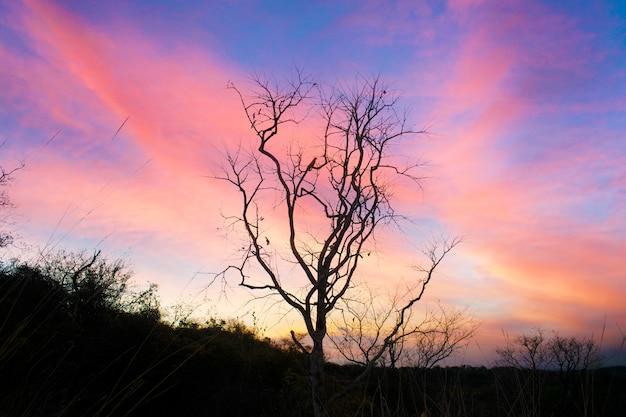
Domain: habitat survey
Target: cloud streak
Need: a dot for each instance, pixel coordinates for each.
(523, 100)
(532, 192)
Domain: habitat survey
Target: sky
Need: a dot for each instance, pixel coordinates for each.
(121, 113)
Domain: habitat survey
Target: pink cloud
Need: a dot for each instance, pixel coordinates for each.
(521, 202)
(175, 97)
(516, 188)
(385, 23)
(181, 116)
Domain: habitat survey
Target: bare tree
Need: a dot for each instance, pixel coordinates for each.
(6, 175)
(572, 354)
(575, 358)
(441, 334)
(529, 356)
(526, 351)
(421, 342)
(535, 352)
(326, 197)
(535, 355)
(92, 281)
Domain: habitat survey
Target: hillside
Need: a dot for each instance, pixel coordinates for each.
(78, 350)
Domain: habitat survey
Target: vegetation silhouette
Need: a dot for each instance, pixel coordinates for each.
(327, 197)
(6, 176)
(77, 340)
(112, 358)
(108, 357)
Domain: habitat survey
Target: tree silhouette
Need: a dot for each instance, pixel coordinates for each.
(93, 283)
(320, 200)
(573, 357)
(6, 175)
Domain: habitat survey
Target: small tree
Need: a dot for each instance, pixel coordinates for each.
(330, 195)
(529, 356)
(93, 283)
(572, 354)
(536, 355)
(526, 351)
(6, 175)
(421, 342)
(575, 357)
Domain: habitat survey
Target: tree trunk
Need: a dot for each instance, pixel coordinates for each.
(317, 377)
(317, 354)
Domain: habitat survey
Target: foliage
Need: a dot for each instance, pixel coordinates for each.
(117, 359)
(74, 341)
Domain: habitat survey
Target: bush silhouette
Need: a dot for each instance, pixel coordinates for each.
(112, 356)
(115, 358)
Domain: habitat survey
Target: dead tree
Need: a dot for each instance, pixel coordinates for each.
(573, 358)
(6, 175)
(318, 201)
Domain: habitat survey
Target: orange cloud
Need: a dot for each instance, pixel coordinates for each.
(145, 189)
(508, 171)
(522, 204)
(177, 101)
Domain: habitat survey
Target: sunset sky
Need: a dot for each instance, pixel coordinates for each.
(524, 101)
